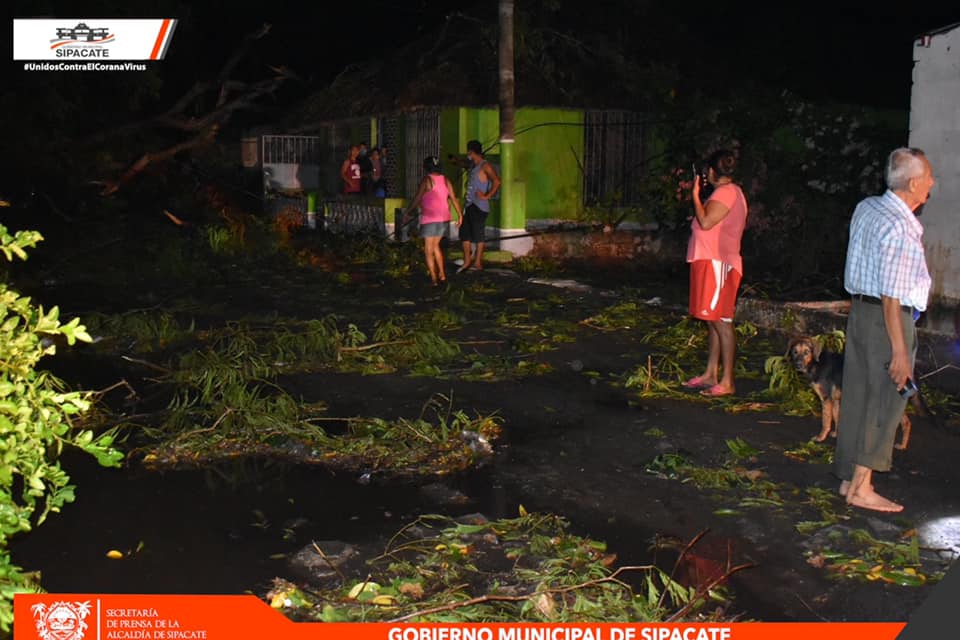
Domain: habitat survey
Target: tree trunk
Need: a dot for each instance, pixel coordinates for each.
(506, 72)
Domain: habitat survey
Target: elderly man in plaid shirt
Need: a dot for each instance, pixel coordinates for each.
(886, 273)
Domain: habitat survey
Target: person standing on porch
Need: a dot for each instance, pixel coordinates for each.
(377, 174)
(482, 184)
(350, 172)
(366, 169)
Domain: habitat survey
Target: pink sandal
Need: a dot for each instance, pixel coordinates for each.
(716, 391)
(696, 382)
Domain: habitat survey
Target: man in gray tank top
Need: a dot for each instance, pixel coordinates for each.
(482, 184)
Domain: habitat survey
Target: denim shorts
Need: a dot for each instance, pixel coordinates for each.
(434, 229)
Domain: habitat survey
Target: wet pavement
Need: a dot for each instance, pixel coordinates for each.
(577, 443)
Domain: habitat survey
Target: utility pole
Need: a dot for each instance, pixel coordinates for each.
(512, 191)
(507, 109)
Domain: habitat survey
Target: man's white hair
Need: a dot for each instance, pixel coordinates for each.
(904, 164)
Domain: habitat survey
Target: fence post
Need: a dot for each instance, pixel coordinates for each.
(398, 224)
(312, 210)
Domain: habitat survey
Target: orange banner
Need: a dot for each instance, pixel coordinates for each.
(181, 617)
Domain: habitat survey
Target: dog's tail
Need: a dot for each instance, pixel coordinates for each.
(924, 411)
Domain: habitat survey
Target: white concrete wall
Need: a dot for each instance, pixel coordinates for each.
(935, 128)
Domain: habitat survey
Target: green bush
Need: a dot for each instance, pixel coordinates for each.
(38, 418)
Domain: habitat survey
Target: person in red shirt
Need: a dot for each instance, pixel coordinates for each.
(716, 268)
(350, 172)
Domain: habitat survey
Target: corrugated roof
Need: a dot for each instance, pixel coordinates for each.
(941, 30)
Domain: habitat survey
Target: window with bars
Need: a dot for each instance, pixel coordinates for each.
(614, 155)
(290, 163)
(422, 140)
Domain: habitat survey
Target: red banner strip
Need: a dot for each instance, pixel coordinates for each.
(182, 617)
(158, 45)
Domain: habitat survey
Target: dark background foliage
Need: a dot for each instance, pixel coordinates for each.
(770, 79)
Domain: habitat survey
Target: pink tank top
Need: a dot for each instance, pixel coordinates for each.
(434, 206)
(722, 242)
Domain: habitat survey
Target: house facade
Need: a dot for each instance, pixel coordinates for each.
(561, 161)
(935, 128)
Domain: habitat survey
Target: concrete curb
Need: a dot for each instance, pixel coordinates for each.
(936, 349)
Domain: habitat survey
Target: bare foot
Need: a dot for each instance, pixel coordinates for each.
(870, 499)
(478, 267)
(845, 487)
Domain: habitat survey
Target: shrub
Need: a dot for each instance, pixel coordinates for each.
(38, 419)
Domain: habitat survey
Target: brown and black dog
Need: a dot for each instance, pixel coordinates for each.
(824, 370)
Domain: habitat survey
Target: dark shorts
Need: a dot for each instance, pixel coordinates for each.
(474, 224)
(434, 229)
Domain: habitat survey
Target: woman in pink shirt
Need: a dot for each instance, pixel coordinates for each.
(434, 197)
(716, 268)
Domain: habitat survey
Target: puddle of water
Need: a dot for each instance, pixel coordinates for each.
(571, 285)
(941, 533)
(223, 531)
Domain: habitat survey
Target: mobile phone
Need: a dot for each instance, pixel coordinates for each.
(699, 177)
(909, 389)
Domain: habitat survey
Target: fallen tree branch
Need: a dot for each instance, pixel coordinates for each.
(212, 427)
(588, 323)
(122, 384)
(706, 590)
(231, 96)
(495, 598)
(375, 345)
(149, 365)
(148, 158)
(327, 560)
(935, 372)
(172, 117)
(460, 605)
(686, 549)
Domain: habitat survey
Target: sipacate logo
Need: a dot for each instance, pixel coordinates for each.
(61, 620)
(82, 41)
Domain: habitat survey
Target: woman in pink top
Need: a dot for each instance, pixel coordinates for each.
(716, 269)
(434, 197)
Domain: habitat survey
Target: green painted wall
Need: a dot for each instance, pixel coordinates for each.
(450, 127)
(458, 126)
(548, 183)
(547, 161)
(547, 172)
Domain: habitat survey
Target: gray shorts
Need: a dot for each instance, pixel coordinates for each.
(434, 229)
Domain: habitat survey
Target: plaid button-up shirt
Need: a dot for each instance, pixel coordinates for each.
(885, 255)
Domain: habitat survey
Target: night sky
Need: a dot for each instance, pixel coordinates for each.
(820, 50)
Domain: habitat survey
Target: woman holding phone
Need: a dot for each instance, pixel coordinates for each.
(716, 268)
